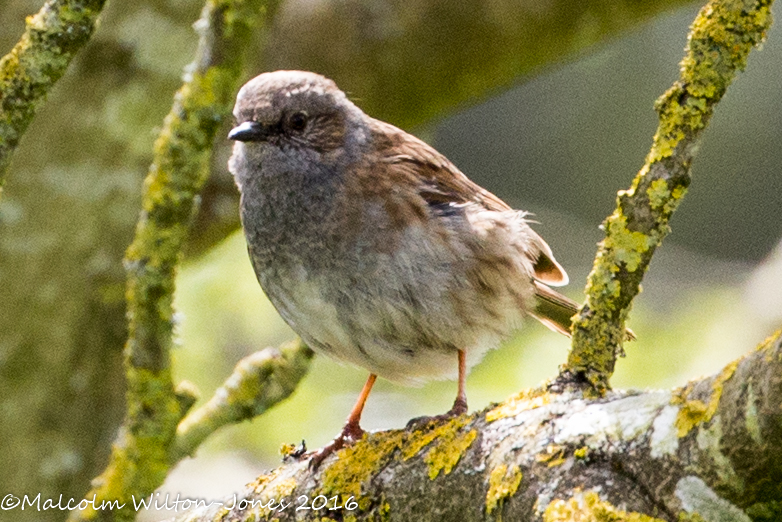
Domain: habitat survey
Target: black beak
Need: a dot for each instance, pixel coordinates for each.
(248, 131)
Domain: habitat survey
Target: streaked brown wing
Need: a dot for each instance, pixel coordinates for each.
(422, 169)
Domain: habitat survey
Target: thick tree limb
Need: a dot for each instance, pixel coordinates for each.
(706, 450)
(53, 37)
(720, 40)
(140, 456)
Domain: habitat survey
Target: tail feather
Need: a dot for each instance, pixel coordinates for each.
(555, 310)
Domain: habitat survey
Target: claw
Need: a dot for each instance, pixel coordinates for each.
(459, 408)
(350, 434)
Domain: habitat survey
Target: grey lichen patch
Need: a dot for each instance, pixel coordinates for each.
(621, 420)
(503, 483)
(588, 507)
(665, 438)
(697, 497)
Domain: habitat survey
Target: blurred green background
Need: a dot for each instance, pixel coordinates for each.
(554, 120)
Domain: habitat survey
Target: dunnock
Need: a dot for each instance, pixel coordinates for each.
(374, 247)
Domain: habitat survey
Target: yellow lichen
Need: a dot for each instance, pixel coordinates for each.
(285, 487)
(419, 439)
(356, 464)
(502, 484)
(626, 245)
(448, 450)
(658, 193)
(286, 449)
(525, 400)
(587, 507)
(695, 412)
(581, 453)
(554, 455)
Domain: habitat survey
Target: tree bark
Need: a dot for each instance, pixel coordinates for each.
(708, 451)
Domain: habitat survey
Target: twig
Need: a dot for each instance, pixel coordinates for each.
(258, 382)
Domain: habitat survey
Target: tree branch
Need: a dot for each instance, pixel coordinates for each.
(259, 381)
(720, 40)
(140, 455)
(52, 38)
(702, 450)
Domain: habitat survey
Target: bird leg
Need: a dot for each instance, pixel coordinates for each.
(351, 432)
(459, 405)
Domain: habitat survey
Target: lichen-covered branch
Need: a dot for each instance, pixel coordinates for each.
(720, 40)
(52, 38)
(140, 455)
(259, 381)
(706, 451)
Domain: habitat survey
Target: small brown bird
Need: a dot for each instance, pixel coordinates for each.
(374, 247)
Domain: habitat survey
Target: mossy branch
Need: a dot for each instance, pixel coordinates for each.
(700, 452)
(721, 38)
(51, 39)
(140, 455)
(259, 381)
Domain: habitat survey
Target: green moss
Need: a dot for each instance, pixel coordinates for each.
(503, 484)
(695, 412)
(587, 507)
(51, 39)
(765, 511)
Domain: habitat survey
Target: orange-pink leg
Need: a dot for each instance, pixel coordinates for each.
(351, 432)
(459, 405)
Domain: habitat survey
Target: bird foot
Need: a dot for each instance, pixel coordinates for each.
(459, 408)
(350, 434)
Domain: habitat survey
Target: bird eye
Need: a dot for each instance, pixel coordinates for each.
(298, 121)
